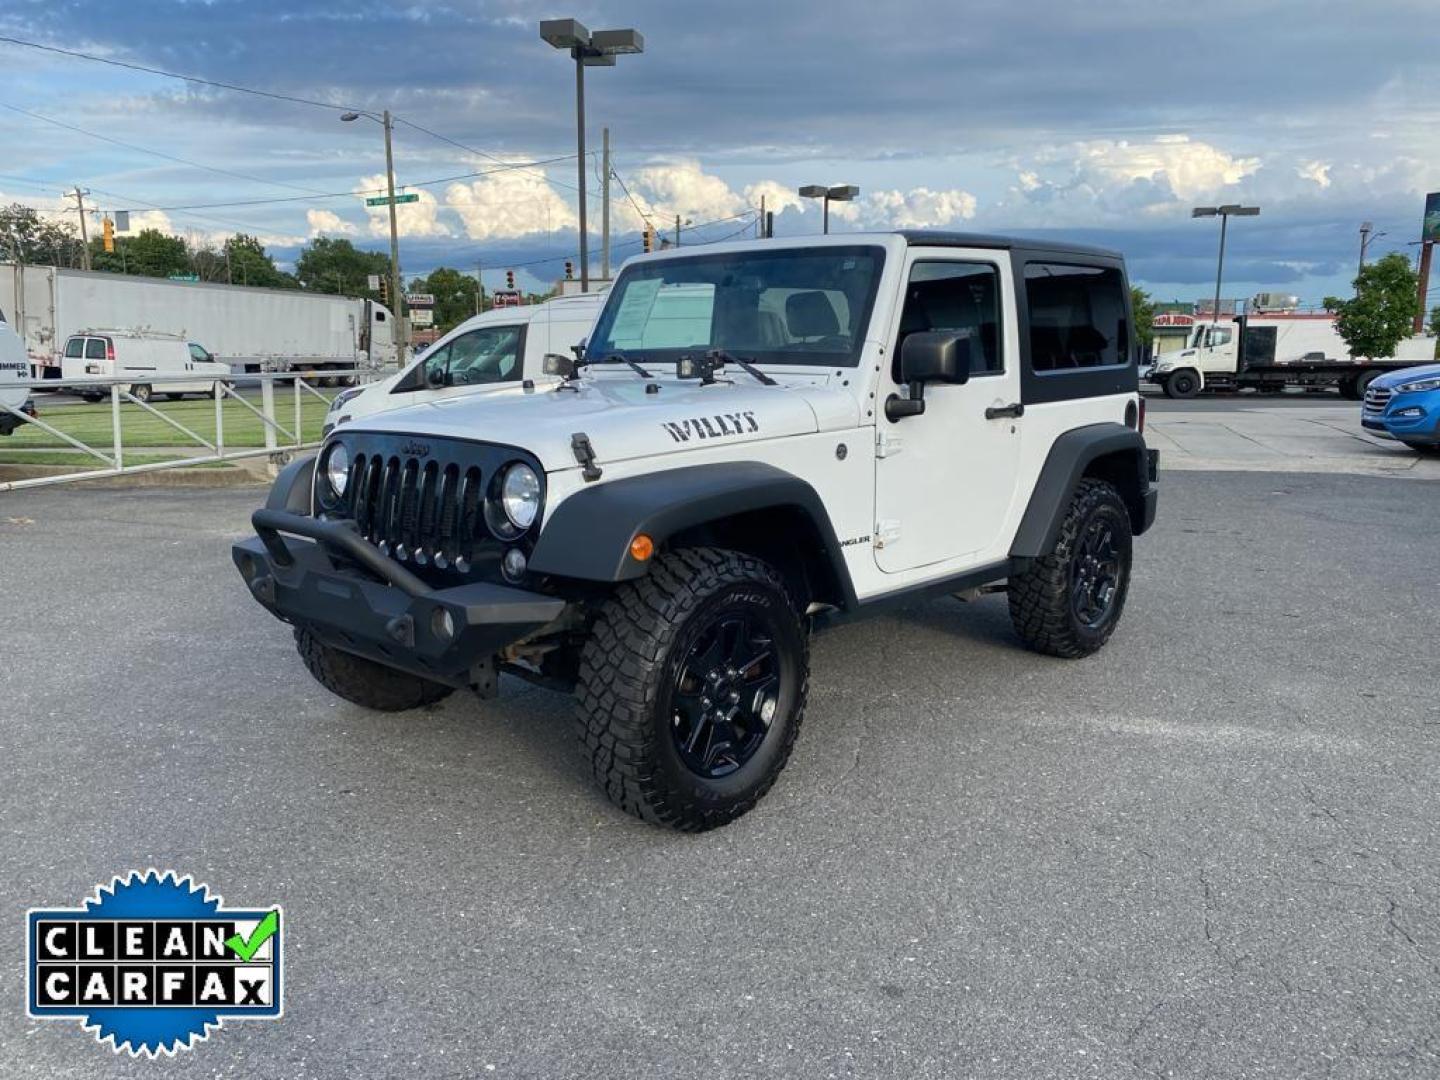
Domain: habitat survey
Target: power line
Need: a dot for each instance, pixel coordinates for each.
(643, 215)
(273, 95)
(153, 153)
(175, 75)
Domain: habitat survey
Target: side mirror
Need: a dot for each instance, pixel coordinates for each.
(434, 376)
(926, 357)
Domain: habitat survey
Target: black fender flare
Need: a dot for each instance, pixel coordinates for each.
(588, 536)
(292, 488)
(1070, 456)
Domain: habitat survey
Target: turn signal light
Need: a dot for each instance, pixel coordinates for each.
(641, 548)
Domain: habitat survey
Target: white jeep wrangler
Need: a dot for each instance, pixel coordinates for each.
(805, 425)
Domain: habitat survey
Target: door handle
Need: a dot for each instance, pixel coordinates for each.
(1005, 412)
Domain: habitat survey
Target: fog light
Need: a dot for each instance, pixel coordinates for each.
(1410, 413)
(513, 564)
(442, 624)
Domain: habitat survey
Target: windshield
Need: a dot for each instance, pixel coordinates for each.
(781, 306)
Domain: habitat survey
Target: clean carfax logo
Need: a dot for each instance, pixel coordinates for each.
(152, 962)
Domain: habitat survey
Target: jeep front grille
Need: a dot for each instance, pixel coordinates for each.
(1376, 398)
(423, 511)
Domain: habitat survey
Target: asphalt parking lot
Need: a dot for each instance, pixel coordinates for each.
(1208, 851)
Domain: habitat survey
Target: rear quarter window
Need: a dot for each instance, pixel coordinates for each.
(1078, 317)
(94, 348)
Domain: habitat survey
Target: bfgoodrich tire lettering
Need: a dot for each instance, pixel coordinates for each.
(631, 669)
(363, 681)
(1043, 601)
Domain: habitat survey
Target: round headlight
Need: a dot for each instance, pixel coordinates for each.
(520, 495)
(337, 468)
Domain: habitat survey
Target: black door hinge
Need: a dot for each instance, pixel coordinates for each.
(585, 455)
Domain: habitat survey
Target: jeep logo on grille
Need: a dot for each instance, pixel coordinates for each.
(415, 449)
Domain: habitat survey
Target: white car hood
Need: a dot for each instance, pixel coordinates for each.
(623, 421)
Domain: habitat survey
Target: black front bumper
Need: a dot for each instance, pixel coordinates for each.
(397, 621)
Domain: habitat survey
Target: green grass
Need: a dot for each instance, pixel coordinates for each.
(85, 461)
(92, 424)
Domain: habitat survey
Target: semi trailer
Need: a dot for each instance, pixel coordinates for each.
(252, 330)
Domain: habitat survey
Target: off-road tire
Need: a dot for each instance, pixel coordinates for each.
(365, 682)
(1040, 598)
(1182, 384)
(628, 667)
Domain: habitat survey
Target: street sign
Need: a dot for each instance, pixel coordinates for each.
(373, 282)
(422, 317)
(420, 299)
(384, 200)
(505, 298)
(184, 277)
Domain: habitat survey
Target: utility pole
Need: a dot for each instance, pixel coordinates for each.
(677, 230)
(1426, 248)
(605, 205)
(396, 319)
(479, 290)
(760, 221)
(79, 197)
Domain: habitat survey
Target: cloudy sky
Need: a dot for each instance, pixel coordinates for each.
(1105, 122)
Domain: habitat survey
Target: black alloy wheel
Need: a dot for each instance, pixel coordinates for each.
(725, 691)
(1095, 574)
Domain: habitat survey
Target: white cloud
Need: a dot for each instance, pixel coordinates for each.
(778, 197)
(1192, 168)
(509, 204)
(667, 188)
(1315, 171)
(329, 223)
(420, 218)
(918, 208)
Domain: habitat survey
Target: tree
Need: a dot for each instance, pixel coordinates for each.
(1144, 310)
(454, 294)
(28, 238)
(150, 253)
(246, 262)
(338, 266)
(1383, 310)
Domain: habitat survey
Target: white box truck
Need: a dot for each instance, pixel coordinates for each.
(251, 330)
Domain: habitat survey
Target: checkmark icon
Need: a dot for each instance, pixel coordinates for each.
(245, 948)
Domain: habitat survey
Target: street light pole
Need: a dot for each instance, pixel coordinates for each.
(839, 193)
(588, 50)
(1224, 213)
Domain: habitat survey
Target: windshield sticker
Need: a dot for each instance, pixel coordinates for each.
(712, 427)
(629, 327)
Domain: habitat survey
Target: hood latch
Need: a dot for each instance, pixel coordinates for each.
(585, 455)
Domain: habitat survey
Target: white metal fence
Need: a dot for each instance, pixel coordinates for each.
(283, 429)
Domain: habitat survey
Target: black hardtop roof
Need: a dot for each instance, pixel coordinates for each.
(942, 238)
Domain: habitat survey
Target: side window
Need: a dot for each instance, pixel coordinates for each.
(379, 316)
(1077, 317)
(75, 348)
(94, 348)
(198, 353)
(482, 356)
(959, 296)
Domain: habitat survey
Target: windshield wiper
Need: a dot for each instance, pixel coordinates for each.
(631, 364)
(724, 357)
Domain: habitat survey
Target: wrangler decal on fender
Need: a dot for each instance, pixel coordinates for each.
(712, 427)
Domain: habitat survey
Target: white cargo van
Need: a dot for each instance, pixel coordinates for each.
(494, 352)
(14, 370)
(153, 360)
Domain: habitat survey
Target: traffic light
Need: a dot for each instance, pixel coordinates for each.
(107, 230)
(510, 279)
(385, 291)
(569, 269)
(649, 240)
